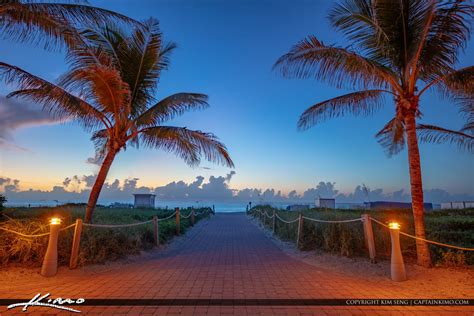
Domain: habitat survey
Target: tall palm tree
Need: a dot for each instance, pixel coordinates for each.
(464, 138)
(395, 46)
(50, 23)
(110, 89)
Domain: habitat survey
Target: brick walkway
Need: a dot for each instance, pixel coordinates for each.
(224, 257)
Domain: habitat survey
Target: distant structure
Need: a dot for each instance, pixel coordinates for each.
(325, 203)
(457, 205)
(144, 201)
(383, 205)
(121, 205)
(297, 207)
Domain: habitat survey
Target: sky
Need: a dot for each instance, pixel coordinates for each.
(226, 49)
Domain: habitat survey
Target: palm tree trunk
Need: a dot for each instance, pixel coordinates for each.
(99, 182)
(422, 250)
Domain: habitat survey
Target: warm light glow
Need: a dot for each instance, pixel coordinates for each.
(394, 225)
(55, 221)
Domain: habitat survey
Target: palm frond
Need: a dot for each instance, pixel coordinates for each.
(107, 40)
(460, 82)
(392, 136)
(356, 103)
(357, 19)
(101, 142)
(143, 59)
(448, 35)
(388, 32)
(60, 103)
(187, 144)
(171, 107)
(457, 85)
(438, 135)
(105, 86)
(336, 65)
(80, 14)
(38, 28)
(52, 24)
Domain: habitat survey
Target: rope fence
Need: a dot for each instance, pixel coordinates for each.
(116, 226)
(50, 265)
(167, 218)
(285, 221)
(34, 236)
(188, 216)
(425, 240)
(333, 222)
(367, 230)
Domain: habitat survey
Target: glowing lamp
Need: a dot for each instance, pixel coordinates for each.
(50, 261)
(394, 225)
(55, 221)
(397, 266)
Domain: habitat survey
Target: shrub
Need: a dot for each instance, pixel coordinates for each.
(98, 245)
(3, 200)
(454, 227)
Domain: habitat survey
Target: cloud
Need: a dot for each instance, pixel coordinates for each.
(94, 161)
(15, 115)
(229, 176)
(215, 189)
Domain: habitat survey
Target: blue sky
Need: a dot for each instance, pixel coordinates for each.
(226, 49)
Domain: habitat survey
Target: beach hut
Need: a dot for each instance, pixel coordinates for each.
(144, 201)
(325, 203)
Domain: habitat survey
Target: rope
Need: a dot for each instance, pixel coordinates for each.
(116, 226)
(164, 219)
(67, 227)
(23, 235)
(284, 221)
(182, 216)
(34, 236)
(341, 221)
(426, 240)
(268, 215)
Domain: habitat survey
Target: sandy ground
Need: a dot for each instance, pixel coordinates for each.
(460, 280)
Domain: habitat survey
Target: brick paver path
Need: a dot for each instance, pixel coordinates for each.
(224, 257)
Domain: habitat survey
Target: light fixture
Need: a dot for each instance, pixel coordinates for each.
(55, 221)
(394, 225)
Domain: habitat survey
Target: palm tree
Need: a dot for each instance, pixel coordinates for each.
(395, 46)
(110, 89)
(50, 23)
(464, 138)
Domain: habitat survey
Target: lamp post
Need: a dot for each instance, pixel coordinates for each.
(397, 266)
(50, 262)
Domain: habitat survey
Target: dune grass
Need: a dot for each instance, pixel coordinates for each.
(455, 227)
(98, 245)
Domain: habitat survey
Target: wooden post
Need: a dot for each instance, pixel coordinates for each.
(300, 231)
(178, 228)
(156, 235)
(369, 236)
(273, 224)
(192, 217)
(76, 242)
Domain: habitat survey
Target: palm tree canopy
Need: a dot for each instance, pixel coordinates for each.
(51, 23)
(396, 45)
(110, 88)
